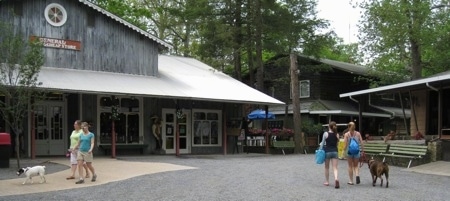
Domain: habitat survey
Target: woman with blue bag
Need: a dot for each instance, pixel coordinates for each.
(329, 144)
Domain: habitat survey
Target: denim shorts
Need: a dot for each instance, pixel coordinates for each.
(354, 155)
(333, 154)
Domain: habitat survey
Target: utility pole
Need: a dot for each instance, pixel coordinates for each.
(298, 135)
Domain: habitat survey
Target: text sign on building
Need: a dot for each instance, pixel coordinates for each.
(58, 43)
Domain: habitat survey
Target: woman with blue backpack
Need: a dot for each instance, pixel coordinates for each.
(353, 145)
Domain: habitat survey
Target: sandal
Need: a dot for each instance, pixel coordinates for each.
(71, 177)
(350, 183)
(336, 185)
(326, 184)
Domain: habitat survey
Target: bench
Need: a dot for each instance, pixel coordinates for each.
(374, 149)
(107, 147)
(406, 151)
(283, 145)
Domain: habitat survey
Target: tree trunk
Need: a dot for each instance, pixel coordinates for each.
(416, 60)
(298, 137)
(251, 66)
(186, 40)
(237, 40)
(17, 148)
(258, 46)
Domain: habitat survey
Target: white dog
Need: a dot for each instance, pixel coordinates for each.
(31, 172)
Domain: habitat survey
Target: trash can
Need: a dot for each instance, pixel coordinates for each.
(5, 149)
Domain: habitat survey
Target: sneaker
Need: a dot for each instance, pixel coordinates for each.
(94, 177)
(80, 181)
(357, 180)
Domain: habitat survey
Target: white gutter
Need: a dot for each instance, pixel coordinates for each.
(398, 86)
(377, 107)
(431, 87)
(353, 99)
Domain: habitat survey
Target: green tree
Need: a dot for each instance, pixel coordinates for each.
(404, 39)
(20, 63)
(334, 48)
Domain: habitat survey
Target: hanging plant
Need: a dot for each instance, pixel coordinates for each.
(115, 111)
(180, 114)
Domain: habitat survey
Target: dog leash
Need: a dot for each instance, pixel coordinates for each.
(362, 158)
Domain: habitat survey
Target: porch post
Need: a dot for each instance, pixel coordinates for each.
(224, 130)
(440, 112)
(177, 134)
(113, 139)
(33, 134)
(266, 108)
(177, 129)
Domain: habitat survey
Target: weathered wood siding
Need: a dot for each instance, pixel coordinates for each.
(106, 45)
(338, 82)
(324, 86)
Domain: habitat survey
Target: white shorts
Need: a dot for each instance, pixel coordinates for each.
(73, 158)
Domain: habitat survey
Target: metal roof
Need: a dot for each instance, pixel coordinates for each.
(420, 83)
(280, 109)
(129, 25)
(396, 112)
(344, 66)
(179, 77)
(348, 67)
(325, 107)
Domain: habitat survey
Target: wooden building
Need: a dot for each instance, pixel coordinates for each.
(428, 100)
(96, 61)
(320, 83)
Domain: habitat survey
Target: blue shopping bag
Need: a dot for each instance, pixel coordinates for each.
(320, 156)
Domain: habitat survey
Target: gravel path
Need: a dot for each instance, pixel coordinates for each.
(251, 177)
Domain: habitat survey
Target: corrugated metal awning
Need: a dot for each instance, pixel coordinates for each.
(405, 86)
(179, 77)
(327, 107)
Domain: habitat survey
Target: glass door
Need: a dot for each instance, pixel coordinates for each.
(48, 125)
(169, 123)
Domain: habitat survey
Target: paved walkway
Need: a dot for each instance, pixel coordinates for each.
(109, 169)
(436, 168)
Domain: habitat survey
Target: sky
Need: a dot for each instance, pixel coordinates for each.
(342, 17)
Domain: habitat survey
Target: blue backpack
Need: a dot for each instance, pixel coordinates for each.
(353, 148)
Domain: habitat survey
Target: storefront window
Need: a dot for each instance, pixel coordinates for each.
(127, 126)
(206, 128)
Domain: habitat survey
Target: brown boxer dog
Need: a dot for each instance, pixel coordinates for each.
(377, 169)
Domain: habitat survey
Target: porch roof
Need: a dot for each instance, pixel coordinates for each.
(179, 78)
(430, 82)
(326, 107)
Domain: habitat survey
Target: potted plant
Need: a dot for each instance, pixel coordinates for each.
(312, 131)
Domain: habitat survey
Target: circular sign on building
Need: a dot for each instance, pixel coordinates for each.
(55, 14)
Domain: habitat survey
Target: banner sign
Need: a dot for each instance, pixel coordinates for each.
(58, 43)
